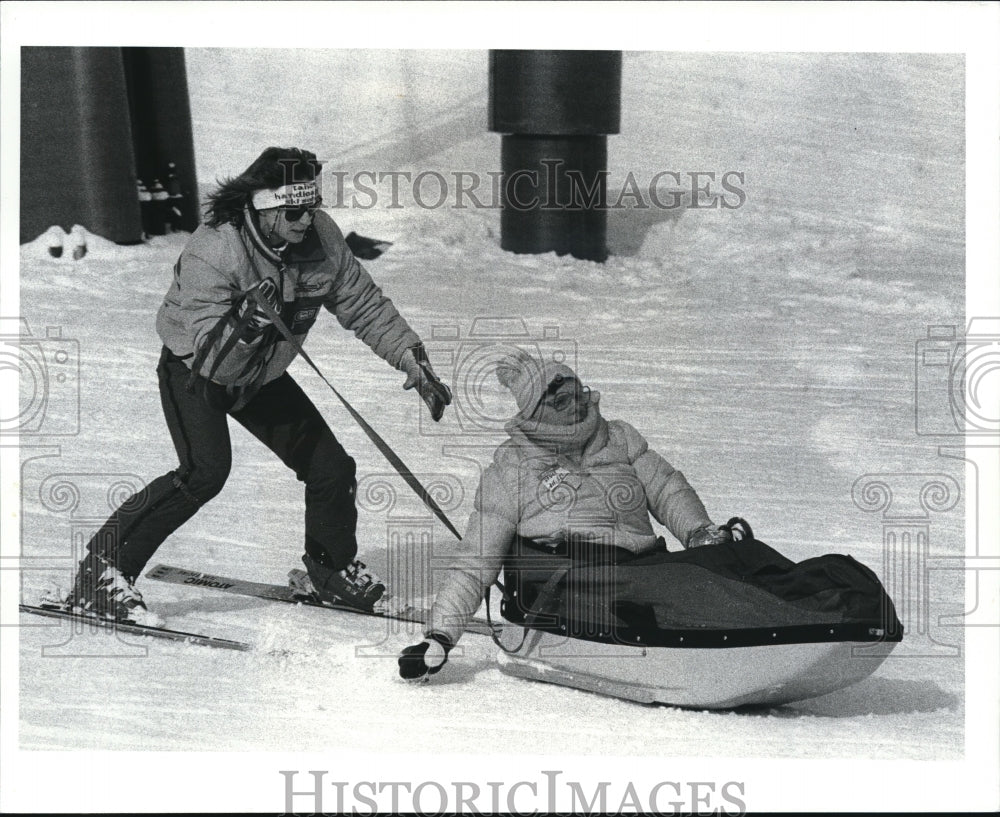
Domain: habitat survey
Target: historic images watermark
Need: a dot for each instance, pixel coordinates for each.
(550, 186)
(547, 793)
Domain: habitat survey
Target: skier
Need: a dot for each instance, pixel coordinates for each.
(265, 239)
(567, 482)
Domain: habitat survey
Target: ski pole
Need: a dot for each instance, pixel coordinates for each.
(373, 435)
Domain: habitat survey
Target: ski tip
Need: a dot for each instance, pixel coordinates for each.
(137, 629)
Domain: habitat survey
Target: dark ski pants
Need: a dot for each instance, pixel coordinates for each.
(282, 417)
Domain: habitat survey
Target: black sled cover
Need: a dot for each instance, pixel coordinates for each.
(720, 596)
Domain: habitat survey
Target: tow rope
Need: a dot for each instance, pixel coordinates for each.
(380, 444)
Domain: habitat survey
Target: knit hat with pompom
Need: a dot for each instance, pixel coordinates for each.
(528, 378)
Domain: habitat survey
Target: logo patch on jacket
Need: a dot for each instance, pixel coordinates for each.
(302, 319)
(554, 477)
(303, 287)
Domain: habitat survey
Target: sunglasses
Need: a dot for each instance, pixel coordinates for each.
(564, 399)
(294, 214)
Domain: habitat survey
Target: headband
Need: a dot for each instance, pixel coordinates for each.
(300, 194)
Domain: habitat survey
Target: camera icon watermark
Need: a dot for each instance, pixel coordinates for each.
(469, 362)
(957, 383)
(45, 373)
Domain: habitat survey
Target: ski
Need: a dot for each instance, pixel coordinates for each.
(280, 592)
(137, 629)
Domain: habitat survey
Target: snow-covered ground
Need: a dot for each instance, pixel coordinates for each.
(767, 351)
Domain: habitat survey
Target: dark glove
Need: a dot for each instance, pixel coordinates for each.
(708, 535)
(266, 290)
(425, 658)
(420, 374)
(736, 529)
(739, 529)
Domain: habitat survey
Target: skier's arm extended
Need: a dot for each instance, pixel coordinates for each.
(358, 304)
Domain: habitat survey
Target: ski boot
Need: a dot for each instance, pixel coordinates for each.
(355, 585)
(101, 589)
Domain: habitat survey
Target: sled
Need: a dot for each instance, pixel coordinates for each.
(709, 628)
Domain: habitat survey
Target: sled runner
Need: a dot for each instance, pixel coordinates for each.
(711, 627)
(700, 678)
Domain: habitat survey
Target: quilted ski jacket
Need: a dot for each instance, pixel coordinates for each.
(219, 264)
(604, 493)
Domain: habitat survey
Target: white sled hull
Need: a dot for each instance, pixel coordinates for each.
(700, 678)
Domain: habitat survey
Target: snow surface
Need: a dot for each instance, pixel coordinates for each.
(767, 351)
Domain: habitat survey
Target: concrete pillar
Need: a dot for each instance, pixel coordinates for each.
(555, 110)
(93, 121)
(77, 162)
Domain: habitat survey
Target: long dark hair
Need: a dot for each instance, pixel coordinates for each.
(273, 168)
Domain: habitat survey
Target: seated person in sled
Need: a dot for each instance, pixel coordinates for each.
(568, 483)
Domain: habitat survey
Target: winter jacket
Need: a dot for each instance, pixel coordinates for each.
(219, 264)
(604, 493)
